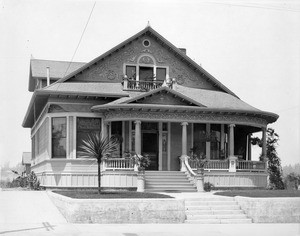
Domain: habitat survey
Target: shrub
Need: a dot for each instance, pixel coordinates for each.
(33, 182)
(208, 186)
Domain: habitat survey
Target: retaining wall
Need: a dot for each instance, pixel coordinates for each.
(119, 210)
(271, 210)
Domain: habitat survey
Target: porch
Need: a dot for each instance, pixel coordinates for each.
(249, 174)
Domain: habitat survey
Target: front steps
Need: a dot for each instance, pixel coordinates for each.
(214, 210)
(167, 181)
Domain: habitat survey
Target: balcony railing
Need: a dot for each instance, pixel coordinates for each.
(134, 85)
(118, 164)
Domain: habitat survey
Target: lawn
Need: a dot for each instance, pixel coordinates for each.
(93, 194)
(260, 193)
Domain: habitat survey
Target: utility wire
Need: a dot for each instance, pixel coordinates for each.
(80, 38)
(261, 6)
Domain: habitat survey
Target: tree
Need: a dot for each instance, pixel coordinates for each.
(94, 146)
(274, 163)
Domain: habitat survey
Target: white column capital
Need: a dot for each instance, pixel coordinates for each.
(184, 123)
(231, 125)
(137, 122)
(108, 123)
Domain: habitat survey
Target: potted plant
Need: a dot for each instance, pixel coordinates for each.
(141, 161)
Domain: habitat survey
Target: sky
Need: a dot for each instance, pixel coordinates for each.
(252, 47)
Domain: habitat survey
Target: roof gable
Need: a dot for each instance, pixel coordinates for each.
(98, 67)
(163, 96)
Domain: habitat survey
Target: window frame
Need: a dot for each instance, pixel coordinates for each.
(137, 70)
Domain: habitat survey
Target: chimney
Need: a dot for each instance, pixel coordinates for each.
(48, 75)
(183, 50)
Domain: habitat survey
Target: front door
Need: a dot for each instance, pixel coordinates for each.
(150, 147)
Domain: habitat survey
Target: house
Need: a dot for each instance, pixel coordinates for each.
(159, 101)
(26, 161)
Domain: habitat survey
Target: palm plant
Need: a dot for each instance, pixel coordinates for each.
(98, 147)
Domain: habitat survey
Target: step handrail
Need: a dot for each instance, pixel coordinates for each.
(188, 167)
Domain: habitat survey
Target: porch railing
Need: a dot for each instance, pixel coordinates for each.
(211, 164)
(118, 164)
(142, 85)
(251, 165)
(224, 165)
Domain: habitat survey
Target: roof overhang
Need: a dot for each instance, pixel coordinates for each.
(268, 116)
(40, 98)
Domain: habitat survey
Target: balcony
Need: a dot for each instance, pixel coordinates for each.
(143, 86)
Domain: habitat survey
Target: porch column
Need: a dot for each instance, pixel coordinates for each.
(231, 139)
(183, 145)
(264, 147)
(184, 139)
(222, 140)
(249, 147)
(232, 158)
(208, 143)
(105, 129)
(160, 145)
(137, 141)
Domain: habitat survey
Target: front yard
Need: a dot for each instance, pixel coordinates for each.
(93, 194)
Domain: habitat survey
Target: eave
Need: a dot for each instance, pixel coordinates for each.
(42, 96)
(268, 116)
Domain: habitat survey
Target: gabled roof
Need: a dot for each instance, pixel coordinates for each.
(177, 51)
(144, 96)
(209, 102)
(58, 69)
(206, 99)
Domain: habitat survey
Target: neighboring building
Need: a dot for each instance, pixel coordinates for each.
(159, 100)
(26, 161)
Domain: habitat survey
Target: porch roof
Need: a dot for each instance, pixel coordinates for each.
(211, 101)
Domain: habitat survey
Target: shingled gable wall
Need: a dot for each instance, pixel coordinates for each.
(111, 68)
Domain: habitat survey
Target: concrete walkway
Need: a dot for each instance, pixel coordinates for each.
(32, 213)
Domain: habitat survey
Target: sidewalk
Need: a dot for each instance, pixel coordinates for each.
(33, 213)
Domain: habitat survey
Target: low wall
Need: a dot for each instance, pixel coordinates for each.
(119, 210)
(271, 210)
(236, 179)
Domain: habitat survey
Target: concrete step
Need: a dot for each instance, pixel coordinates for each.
(229, 216)
(210, 199)
(211, 207)
(219, 221)
(214, 212)
(208, 203)
(170, 190)
(168, 184)
(153, 173)
(179, 180)
(167, 181)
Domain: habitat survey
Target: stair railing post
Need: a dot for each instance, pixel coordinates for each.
(200, 180)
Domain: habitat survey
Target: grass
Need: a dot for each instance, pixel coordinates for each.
(93, 194)
(260, 193)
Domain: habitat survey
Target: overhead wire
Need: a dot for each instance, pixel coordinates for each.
(80, 39)
(261, 6)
